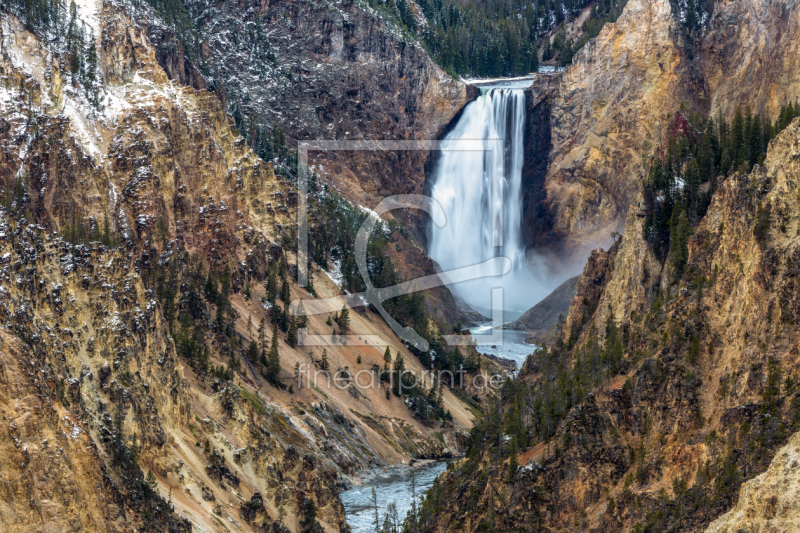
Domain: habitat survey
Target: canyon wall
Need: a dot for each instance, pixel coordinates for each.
(109, 425)
(769, 501)
(331, 71)
(608, 111)
(703, 396)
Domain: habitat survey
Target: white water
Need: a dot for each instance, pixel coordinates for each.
(392, 487)
(513, 346)
(481, 196)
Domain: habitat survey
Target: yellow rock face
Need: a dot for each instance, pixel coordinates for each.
(769, 502)
(88, 359)
(609, 107)
(606, 114)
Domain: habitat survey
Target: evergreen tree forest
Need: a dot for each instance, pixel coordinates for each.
(694, 15)
(682, 178)
(498, 37)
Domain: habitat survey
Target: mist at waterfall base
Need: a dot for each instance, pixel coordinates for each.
(481, 195)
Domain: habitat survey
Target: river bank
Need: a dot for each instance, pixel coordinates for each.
(392, 485)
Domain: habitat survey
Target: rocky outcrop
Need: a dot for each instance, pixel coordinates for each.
(546, 313)
(607, 113)
(698, 402)
(768, 502)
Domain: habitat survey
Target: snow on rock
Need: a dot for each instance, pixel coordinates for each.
(84, 133)
(335, 273)
(88, 12)
(371, 213)
(379, 221)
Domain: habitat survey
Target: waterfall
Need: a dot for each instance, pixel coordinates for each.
(481, 195)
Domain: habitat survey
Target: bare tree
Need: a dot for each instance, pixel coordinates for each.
(375, 508)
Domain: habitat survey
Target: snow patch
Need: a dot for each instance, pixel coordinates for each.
(113, 194)
(379, 221)
(88, 11)
(335, 273)
(83, 132)
(370, 212)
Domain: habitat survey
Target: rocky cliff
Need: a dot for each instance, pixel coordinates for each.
(767, 502)
(119, 194)
(331, 71)
(606, 113)
(665, 392)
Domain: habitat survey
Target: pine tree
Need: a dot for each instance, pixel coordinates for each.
(756, 140)
(211, 284)
(513, 461)
(252, 351)
(152, 483)
(762, 223)
(262, 336)
(690, 20)
(399, 368)
(283, 268)
(705, 155)
(272, 287)
(723, 137)
(693, 354)
(309, 521)
(612, 348)
(302, 320)
(736, 147)
(323, 364)
(377, 522)
(387, 356)
(691, 183)
(89, 84)
(344, 320)
(747, 132)
(310, 287)
(291, 335)
(286, 293)
(273, 359)
(679, 244)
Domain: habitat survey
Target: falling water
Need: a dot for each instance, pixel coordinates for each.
(481, 194)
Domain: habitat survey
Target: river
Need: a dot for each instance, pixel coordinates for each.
(513, 346)
(393, 486)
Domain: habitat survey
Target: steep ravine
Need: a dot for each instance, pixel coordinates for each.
(325, 71)
(702, 397)
(113, 416)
